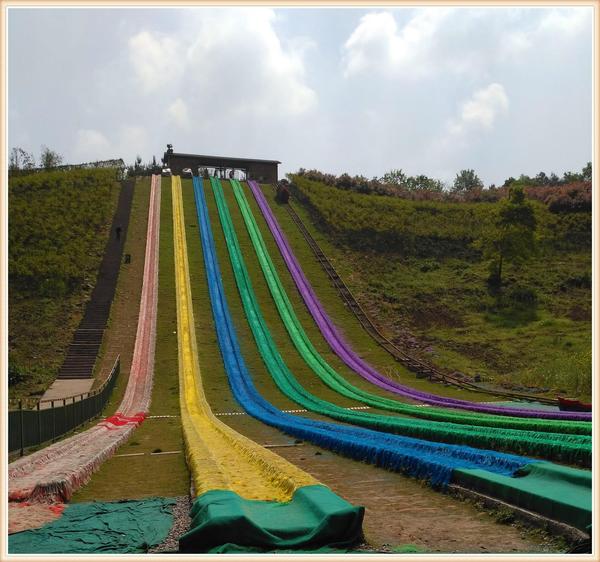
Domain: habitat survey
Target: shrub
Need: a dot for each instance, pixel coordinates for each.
(522, 295)
(15, 373)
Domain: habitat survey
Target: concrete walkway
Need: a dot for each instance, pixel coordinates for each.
(65, 388)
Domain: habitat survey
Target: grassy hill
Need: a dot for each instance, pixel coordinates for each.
(58, 227)
(415, 268)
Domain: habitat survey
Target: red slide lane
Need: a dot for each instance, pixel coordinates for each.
(50, 476)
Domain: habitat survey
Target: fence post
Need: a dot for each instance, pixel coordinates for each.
(39, 424)
(53, 421)
(22, 426)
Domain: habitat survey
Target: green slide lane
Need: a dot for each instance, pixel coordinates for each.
(434, 413)
(439, 414)
(566, 447)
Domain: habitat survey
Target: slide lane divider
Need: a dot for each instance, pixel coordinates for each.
(361, 367)
(246, 494)
(549, 445)
(54, 473)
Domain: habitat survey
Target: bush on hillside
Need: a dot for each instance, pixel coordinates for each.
(394, 224)
(571, 194)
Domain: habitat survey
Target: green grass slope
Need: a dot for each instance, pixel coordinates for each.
(414, 268)
(58, 227)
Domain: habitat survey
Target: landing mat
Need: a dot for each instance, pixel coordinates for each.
(99, 528)
(315, 518)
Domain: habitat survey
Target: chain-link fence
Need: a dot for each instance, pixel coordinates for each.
(50, 419)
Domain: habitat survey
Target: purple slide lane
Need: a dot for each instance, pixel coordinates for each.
(361, 367)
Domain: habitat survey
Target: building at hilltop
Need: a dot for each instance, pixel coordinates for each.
(264, 171)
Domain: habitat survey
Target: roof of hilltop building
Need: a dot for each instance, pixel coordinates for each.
(208, 156)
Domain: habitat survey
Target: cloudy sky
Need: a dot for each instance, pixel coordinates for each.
(502, 90)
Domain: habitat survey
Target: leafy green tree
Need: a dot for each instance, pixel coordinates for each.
(466, 180)
(542, 179)
(395, 177)
(510, 235)
(586, 173)
(571, 177)
(49, 158)
(423, 183)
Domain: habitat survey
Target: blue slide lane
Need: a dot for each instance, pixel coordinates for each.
(428, 460)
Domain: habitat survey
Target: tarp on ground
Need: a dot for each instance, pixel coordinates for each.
(558, 492)
(100, 527)
(314, 518)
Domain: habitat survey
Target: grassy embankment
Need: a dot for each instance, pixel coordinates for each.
(413, 266)
(59, 223)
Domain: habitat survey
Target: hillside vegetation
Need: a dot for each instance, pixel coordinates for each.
(58, 227)
(416, 266)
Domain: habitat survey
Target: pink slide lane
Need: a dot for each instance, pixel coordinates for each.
(50, 476)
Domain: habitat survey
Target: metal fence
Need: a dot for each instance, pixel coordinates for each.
(51, 419)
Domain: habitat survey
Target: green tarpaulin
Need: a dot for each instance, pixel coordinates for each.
(314, 518)
(100, 527)
(558, 492)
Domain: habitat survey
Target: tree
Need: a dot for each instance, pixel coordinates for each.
(412, 183)
(395, 177)
(137, 167)
(49, 158)
(423, 183)
(542, 179)
(571, 177)
(20, 160)
(586, 173)
(466, 180)
(510, 235)
(554, 179)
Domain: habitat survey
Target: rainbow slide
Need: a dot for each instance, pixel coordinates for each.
(462, 428)
(245, 494)
(436, 462)
(361, 367)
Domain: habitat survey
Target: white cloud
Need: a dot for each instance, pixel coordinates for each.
(240, 67)
(91, 145)
(477, 114)
(565, 21)
(155, 59)
(377, 44)
(178, 112)
(456, 41)
(125, 142)
(484, 106)
(132, 140)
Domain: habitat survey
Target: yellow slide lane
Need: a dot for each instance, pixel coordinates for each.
(218, 457)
